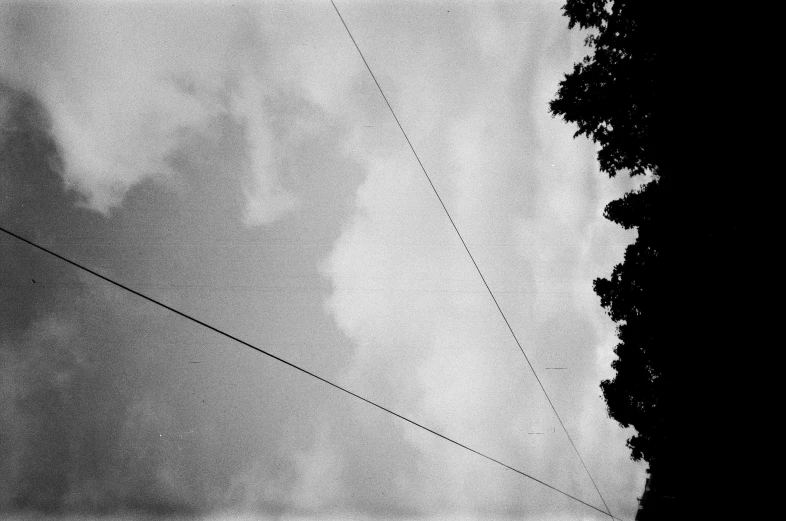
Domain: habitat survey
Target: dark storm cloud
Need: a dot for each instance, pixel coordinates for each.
(102, 409)
(223, 196)
(64, 343)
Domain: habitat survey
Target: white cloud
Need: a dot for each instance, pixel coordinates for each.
(120, 134)
(126, 86)
(316, 487)
(266, 199)
(428, 340)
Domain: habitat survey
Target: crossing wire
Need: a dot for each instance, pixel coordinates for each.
(290, 364)
(608, 511)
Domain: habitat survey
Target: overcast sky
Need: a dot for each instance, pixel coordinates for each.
(237, 162)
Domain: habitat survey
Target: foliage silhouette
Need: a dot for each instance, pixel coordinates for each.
(671, 296)
(611, 95)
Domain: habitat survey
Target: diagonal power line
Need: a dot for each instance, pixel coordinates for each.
(608, 511)
(293, 366)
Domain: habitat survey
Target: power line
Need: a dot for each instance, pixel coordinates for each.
(290, 364)
(472, 258)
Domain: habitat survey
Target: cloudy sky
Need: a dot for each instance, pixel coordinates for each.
(237, 162)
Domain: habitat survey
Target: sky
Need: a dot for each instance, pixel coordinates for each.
(237, 162)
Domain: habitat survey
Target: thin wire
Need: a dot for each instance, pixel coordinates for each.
(290, 364)
(471, 258)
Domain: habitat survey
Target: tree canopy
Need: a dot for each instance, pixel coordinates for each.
(611, 95)
(681, 296)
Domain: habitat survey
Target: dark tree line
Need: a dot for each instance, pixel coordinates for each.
(679, 295)
(612, 96)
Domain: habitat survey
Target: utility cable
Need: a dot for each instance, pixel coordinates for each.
(472, 258)
(290, 364)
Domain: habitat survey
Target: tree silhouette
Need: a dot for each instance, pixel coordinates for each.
(612, 97)
(658, 100)
(615, 97)
(612, 94)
